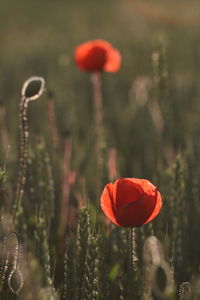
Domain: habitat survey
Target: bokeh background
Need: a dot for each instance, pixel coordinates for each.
(38, 38)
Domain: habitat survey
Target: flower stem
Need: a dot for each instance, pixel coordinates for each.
(134, 270)
(98, 123)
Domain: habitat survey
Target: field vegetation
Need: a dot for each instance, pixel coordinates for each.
(55, 241)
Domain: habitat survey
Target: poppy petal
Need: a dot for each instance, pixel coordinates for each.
(107, 204)
(125, 192)
(156, 208)
(113, 62)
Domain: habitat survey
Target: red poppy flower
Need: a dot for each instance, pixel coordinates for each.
(131, 202)
(97, 55)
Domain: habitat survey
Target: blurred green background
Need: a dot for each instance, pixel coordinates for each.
(38, 38)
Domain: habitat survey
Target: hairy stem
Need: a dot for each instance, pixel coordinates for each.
(23, 155)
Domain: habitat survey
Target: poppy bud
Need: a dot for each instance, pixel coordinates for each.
(131, 202)
(33, 88)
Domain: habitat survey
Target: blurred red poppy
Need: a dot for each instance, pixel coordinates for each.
(131, 202)
(97, 55)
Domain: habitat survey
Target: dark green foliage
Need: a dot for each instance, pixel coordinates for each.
(40, 182)
(91, 279)
(42, 250)
(83, 233)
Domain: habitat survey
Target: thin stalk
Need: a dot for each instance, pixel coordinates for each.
(32, 89)
(134, 271)
(23, 154)
(98, 123)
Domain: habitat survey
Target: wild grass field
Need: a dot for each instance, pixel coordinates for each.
(55, 241)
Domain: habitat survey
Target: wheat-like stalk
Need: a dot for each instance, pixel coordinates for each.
(68, 291)
(91, 275)
(43, 250)
(83, 233)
